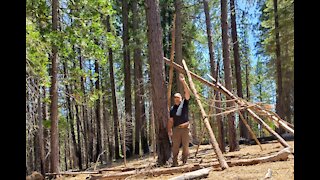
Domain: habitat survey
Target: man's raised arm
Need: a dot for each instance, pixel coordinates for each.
(185, 87)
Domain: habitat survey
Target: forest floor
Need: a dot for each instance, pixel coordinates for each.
(281, 170)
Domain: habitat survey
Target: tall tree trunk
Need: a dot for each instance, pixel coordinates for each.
(127, 76)
(84, 113)
(234, 145)
(243, 130)
(178, 39)
(137, 75)
(54, 95)
(139, 99)
(65, 153)
(245, 114)
(70, 112)
(279, 99)
(164, 23)
(98, 113)
(40, 135)
(45, 131)
(93, 121)
(79, 151)
(143, 128)
(157, 80)
(106, 116)
(114, 99)
(213, 72)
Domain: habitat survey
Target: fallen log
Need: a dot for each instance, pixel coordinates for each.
(279, 156)
(73, 173)
(201, 173)
(152, 172)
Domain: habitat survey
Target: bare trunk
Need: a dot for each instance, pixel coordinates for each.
(279, 99)
(84, 114)
(46, 132)
(40, 135)
(54, 96)
(79, 154)
(70, 111)
(127, 76)
(157, 80)
(214, 70)
(114, 99)
(243, 130)
(234, 145)
(178, 39)
(98, 114)
(137, 75)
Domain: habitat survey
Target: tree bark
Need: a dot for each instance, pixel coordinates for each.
(127, 76)
(178, 39)
(84, 113)
(54, 95)
(40, 135)
(98, 114)
(114, 99)
(157, 80)
(106, 116)
(137, 76)
(79, 154)
(171, 59)
(213, 69)
(70, 111)
(236, 56)
(279, 98)
(45, 131)
(232, 138)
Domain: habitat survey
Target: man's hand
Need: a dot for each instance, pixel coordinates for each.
(185, 87)
(181, 77)
(170, 133)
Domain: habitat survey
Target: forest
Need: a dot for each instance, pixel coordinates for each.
(99, 84)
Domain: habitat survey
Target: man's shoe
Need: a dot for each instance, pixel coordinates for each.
(175, 164)
(184, 162)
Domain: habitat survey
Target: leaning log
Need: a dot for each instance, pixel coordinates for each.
(213, 140)
(217, 86)
(250, 130)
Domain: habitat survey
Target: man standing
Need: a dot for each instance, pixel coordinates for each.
(178, 124)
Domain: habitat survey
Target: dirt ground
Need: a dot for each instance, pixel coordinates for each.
(281, 170)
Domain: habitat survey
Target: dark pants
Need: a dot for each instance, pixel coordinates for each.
(180, 135)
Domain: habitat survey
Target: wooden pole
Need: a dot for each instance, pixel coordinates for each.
(217, 86)
(250, 130)
(171, 60)
(214, 142)
(274, 117)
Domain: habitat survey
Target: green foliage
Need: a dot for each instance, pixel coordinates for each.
(267, 46)
(36, 53)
